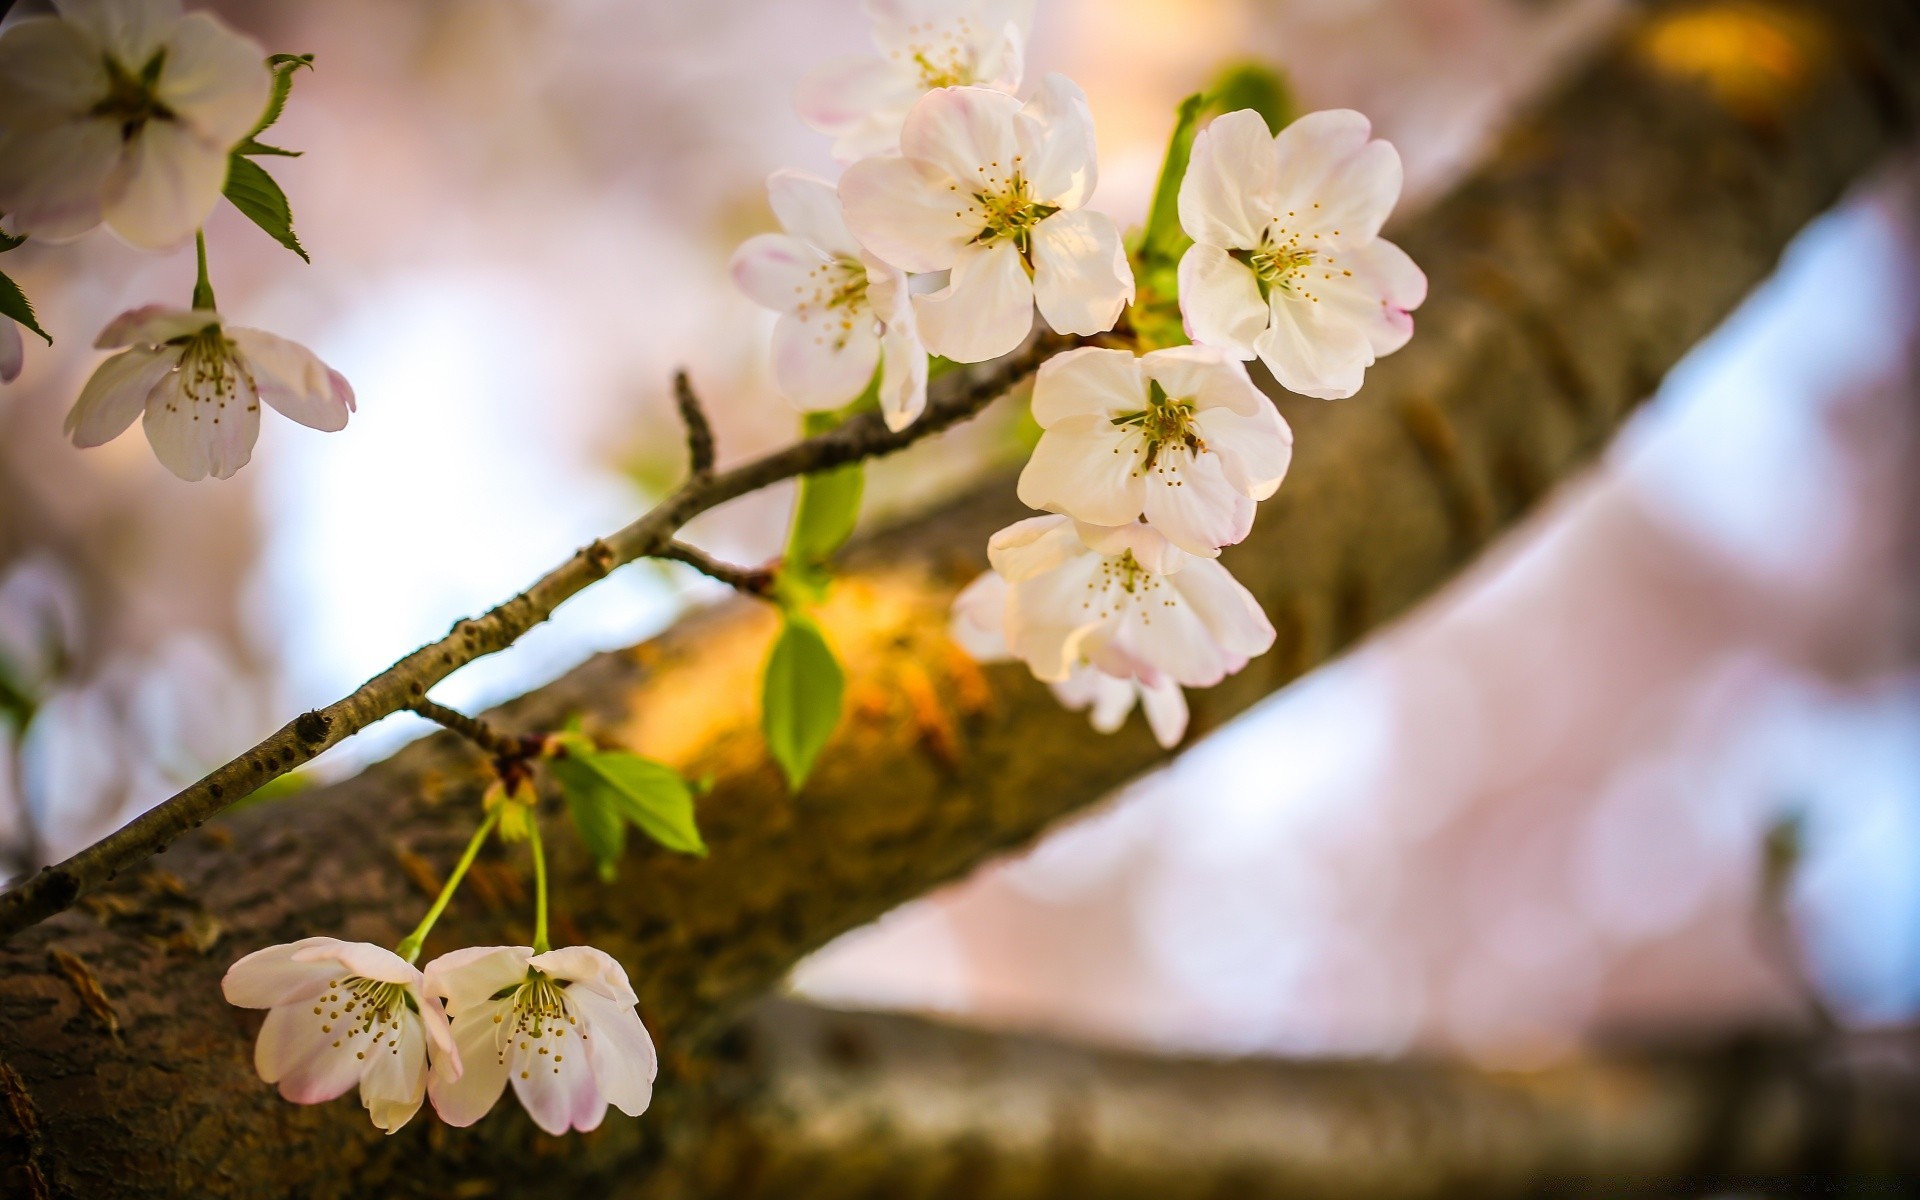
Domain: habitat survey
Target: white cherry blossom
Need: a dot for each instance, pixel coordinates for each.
(1124, 600)
(198, 384)
(123, 111)
(862, 101)
(979, 626)
(992, 190)
(340, 1014)
(1287, 262)
(12, 352)
(1178, 435)
(559, 1026)
(842, 311)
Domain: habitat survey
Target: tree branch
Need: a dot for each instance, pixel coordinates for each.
(1602, 239)
(405, 683)
(748, 581)
(700, 446)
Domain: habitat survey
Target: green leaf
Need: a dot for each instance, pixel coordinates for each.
(829, 504)
(254, 193)
(1252, 85)
(1164, 240)
(801, 697)
(10, 242)
(261, 149)
(607, 789)
(14, 304)
(283, 67)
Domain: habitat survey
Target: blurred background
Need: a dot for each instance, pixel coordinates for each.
(1534, 817)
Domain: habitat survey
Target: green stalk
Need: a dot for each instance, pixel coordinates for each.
(540, 943)
(202, 288)
(409, 948)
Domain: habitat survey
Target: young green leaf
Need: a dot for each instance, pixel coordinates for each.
(1164, 241)
(602, 830)
(606, 789)
(1252, 85)
(254, 193)
(258, 149)
(829, 504)
(9, 241)
(283, 67)
(15, 306)
(801, 697)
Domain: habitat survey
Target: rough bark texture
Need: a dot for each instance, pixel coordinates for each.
(1605, 235)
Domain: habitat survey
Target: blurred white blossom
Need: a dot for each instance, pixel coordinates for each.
(1287, 262)
(199, 385)
(992, 190)
(122, 111)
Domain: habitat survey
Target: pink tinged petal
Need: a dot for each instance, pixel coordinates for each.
(1056, 144)
(363, 959)
(1000, 59)
(1379, 296)
(273, 976)
(196, 436)
(216, 80)
(468, 977)
(1254, 451)
(1230, 192)
(585, 967)
(153, 324)
(1081, 277)
(1167, 641)
(555, 1093)
(1037, 544)
(439, 1031)
(861, 102)
(819, 361)
(289, 1042)
(618, 1049)
(327, 1071)
(395, 1079)
(1148, 546)
(116, 394)
(985, 311)
(465, 1097)
(13, 356)
(1088, 382)
(1220, 302)
(1226, 608)
(1108, 699)
(1333, 177)
(1315, 349)
(51, 182)
(777, 270)
(1166, 708)
(1088, 468)
(50, 73)
(164, 186)
(294, 381)
(1190, 501)
(980, 618)
(130, 30)
(1050, 619)
(903, 373)
(907, 213)
(809, 208)
(1206, 376)
(966, 133)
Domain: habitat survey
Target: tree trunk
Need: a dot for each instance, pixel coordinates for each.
(1605, 235)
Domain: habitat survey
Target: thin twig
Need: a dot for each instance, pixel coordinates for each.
(956, 397)
(750, 581)
(481, 734)
(700, 448)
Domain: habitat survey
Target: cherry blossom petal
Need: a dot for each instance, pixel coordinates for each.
(1231, 189)
(273, 976)
(1089, 381)
(1166, 708)
(618, 1049)
(1188, 498)
(13, 356)
(50, 74)
(821, 361)
(1254, 451)
(1081, 277)
(809, 208)
(363, 959)
(1174, 644)
(1333, 177)
(130, 30)
(1315, 349)
(966, 133)
(859, 101)
(395, 1077)
(1220, 302)
(980, 618)
(116, 394)
(294, 381)
(464, 1098)
(1033, 546)
(153, 324)
(1050, 620)
(51, 182)
(1228, 610)
(1086, 467)
(1000, 57)
(1379, 296)
(558, 1096)
(312, 1070)
(775, 270)
(164, 186)
(215, 80)
(1108, 699)
(470, 976)
(903, 371)
(589, 968)
(1148, 546)
(985, 311)
(1206, 376)
(1057, 151)
(908, 213)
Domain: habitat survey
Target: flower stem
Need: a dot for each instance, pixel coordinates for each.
(540, 943)
(409, 948)
(202, 287)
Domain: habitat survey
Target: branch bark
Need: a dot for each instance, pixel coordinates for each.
(1604, 237)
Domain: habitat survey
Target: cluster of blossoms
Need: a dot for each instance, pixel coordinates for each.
(131, 113)
(560, 1026)
(1152, 459)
